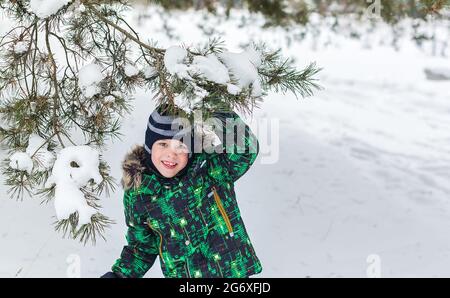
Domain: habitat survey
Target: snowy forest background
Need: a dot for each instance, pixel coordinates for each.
(360, 183)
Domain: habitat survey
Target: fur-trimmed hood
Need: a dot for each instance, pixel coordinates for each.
(133, 166)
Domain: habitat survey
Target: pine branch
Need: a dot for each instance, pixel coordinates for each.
(124, 32)
(87, 232)
(55, 83)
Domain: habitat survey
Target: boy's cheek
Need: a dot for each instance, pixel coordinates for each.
(181, 167)
(183, 159)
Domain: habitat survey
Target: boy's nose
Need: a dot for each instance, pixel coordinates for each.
(171, 153)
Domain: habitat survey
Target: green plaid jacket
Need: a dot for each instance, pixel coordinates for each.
(192, 222)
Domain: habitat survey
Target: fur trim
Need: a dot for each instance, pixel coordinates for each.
(133, 166)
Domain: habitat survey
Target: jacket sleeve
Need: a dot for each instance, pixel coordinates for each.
(239, 147)
(139, 255)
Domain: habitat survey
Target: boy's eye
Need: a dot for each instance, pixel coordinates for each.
(163, 144)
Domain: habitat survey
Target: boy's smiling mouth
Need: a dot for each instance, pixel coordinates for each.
(168, 164)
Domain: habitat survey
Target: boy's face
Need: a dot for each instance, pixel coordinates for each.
(169, 156)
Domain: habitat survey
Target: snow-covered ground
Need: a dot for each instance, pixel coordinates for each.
(362, 173)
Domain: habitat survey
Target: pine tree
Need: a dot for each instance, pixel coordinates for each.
(289, 12)
(410, 19)
(67, 73)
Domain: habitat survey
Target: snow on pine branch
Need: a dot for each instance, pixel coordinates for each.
(75, 176)
(242, 67)
(74, 167)
(45, 8)
(35, 153)
(89, 78)
(204, 78)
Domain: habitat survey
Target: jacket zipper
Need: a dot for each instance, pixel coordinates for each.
(160, 242)
(222, 211)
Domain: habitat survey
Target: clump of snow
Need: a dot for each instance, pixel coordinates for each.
(174, 62)
(182, 102)
(82, 8)
(254, 56)
(210, 68)
(223, 68)
(44, 158)
(256, 89)
(21, 161)
(200, 92)
(79, 7)
(243, 67)
(131, 70)
(150, 72)
(89, 77)
(188, 105)
(233, 89)
(68, 179)
(21, 47)
(117, 93)
(46, 8)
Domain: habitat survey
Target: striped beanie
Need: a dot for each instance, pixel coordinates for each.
(162, 125)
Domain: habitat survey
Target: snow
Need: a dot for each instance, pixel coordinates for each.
(89, 77)
(200, 92)
(69, 179)
(233, 89)
(253, 56)
(21, 161)
(243, 68)
(149, 72)
(81, 7)
(117, 93)
(185, 104)
(46, 8)
(131, 70)
(210, 68)
(256, 89)
(21, 47)
(361, 170)
(174, 62)
(44, 158)
(77, 9)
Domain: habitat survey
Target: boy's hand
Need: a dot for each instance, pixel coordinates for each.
(243, 149)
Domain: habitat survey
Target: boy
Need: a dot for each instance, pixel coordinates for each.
(181, 206)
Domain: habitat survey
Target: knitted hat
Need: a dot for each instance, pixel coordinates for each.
(162, 125)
